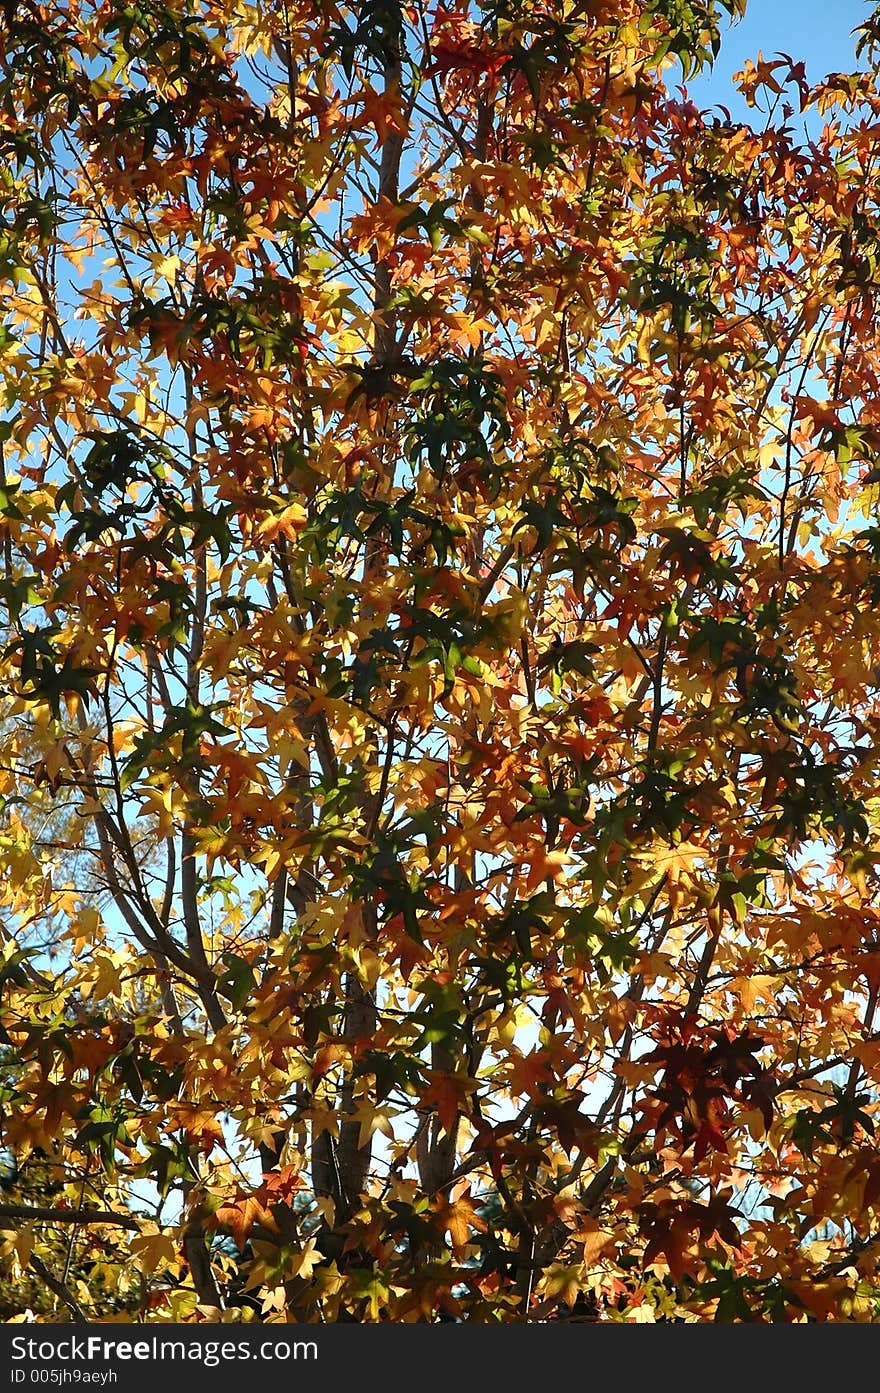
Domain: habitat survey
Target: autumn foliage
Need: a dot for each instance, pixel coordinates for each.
(440, 666)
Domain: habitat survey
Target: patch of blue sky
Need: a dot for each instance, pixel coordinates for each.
(814, 32)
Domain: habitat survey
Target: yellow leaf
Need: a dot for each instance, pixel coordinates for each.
(371, 1120)
(24, 1245)
(304, 1263)
(287, 523)
(274, 1300)
(105, 981)
(165, 266)
(595, 1245)
(150, 1251)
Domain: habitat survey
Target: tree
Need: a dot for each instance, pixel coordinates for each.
(440, 665)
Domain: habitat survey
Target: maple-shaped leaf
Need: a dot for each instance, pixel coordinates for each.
(461, 1220)
(448, 1095)
(240, 1215)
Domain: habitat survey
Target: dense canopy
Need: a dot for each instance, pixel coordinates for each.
(439, 668)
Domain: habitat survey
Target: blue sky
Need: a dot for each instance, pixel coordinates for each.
(819, 32)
